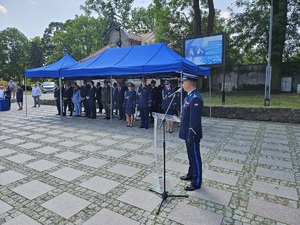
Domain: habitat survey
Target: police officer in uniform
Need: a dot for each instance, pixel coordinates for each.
(91, 97)
(68, 94)
(156, 99)
(105, 99)
(57, 91)
(144, 102)
(83, 91)
(191, 131)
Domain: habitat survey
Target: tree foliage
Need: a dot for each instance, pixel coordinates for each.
(142, 20)
(14, 47)
(36, 53)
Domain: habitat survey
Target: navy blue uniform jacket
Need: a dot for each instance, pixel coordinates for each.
(191, 126)
(144, 97)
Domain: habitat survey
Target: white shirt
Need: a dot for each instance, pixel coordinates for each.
(36, 91)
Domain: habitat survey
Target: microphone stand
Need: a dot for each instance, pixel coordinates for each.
(164, 195)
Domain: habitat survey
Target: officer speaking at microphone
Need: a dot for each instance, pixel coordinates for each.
(191, 131)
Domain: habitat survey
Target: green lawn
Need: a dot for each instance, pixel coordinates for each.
(252, 99)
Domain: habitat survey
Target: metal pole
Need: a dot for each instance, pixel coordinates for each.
(269, 68)
(210, 97)
(111, 101)
(223, 92)
(25, 94)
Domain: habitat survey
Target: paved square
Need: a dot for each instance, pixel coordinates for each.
(100, 172)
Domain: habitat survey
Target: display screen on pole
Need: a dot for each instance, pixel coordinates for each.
(205, 50)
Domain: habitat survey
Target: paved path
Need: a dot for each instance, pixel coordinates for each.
(83, 171)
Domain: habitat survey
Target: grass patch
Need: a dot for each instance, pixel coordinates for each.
(252, 99)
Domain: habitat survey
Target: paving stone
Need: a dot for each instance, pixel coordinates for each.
(212, 194)
(124, 170)
(14, 141)
(141, 199)
(114, 153)
(52, 140)
(100, 184)
(227, 165)
(178, 167)
(142, 159)
(182, 156)
(68, 143)
(131, 146)
(66, 205)
(42, 165)
(20, 158)
(21, 220)
(122, 137)
(4, 207)
(109, 217)
(275, 146)
(67, 174)
(30, 145)
(275, 174)
(54, 132)
(4, 137)
(275, 162)
(274, 189)
(22, 133)
(93, 162)
(90, 148)
(6, 151)
(143, 140)
(158, 183)
(237, 148)
(2, 167)
(275, 153)
(231, 155)
(36, 136)
(68, 155)
(190, 215)
(107, 142)
(47, 150)
(33, 189)
(220, 177)
(274, 211)
(87, 138)
(10, 176)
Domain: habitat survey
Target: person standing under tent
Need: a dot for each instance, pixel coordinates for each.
(19, 96)
(83, 91)
(91, 97)
(156, 96)
(119, 98)
(57, 91)
(98, 96)
(166, 101)
(191, 131)
(144, 102)
(129, 104)
(106, 90)
(68, 94)
(36, 94)
(76, 99)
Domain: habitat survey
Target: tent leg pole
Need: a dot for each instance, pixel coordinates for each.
(111, 102)
(210, 97)
(25, 94)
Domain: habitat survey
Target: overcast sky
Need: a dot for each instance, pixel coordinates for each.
(32, 17)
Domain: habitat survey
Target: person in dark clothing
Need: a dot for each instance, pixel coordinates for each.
(166, 101)
(129, 104)
(57, 91)
(159, 100)
(144, 102)
(98, 96)
(68, 94)
(19, 96)
(91, 97)
(105, 99)
(156, 97)
(84, 89)
(119, 92)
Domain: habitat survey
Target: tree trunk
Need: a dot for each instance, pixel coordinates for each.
(278, 42)
(211, 16)
(197, 18)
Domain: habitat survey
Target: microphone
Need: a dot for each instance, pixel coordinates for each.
(171, 95)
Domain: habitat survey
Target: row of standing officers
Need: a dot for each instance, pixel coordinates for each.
(147, 99)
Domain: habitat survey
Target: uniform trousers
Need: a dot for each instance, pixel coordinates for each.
(144, 112)
(195, 162)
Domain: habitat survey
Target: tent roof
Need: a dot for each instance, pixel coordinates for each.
(52, 70)
(134, 60)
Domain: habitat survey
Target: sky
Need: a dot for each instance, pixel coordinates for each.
(32, 17)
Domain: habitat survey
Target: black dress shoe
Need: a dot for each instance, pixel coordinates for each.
(120, 118)
(192, 187)
(142, 127)
(185, 178)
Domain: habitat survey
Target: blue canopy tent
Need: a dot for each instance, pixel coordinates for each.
(155, 60)
(50, 71)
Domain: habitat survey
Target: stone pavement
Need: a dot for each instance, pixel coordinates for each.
(83, 171)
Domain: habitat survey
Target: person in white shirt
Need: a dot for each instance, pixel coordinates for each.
(12, 87)
(36, 93)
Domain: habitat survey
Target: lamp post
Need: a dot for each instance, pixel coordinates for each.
(269, 68)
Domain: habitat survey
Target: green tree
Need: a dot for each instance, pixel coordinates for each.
(14, 57)
(142, 20)
(36, 53)
(251, 27)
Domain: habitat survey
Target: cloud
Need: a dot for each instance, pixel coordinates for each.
(225, 15)
(32, 2)
(3, 10)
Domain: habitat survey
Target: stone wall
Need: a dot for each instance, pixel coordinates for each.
(251, 77)
(262, 114)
